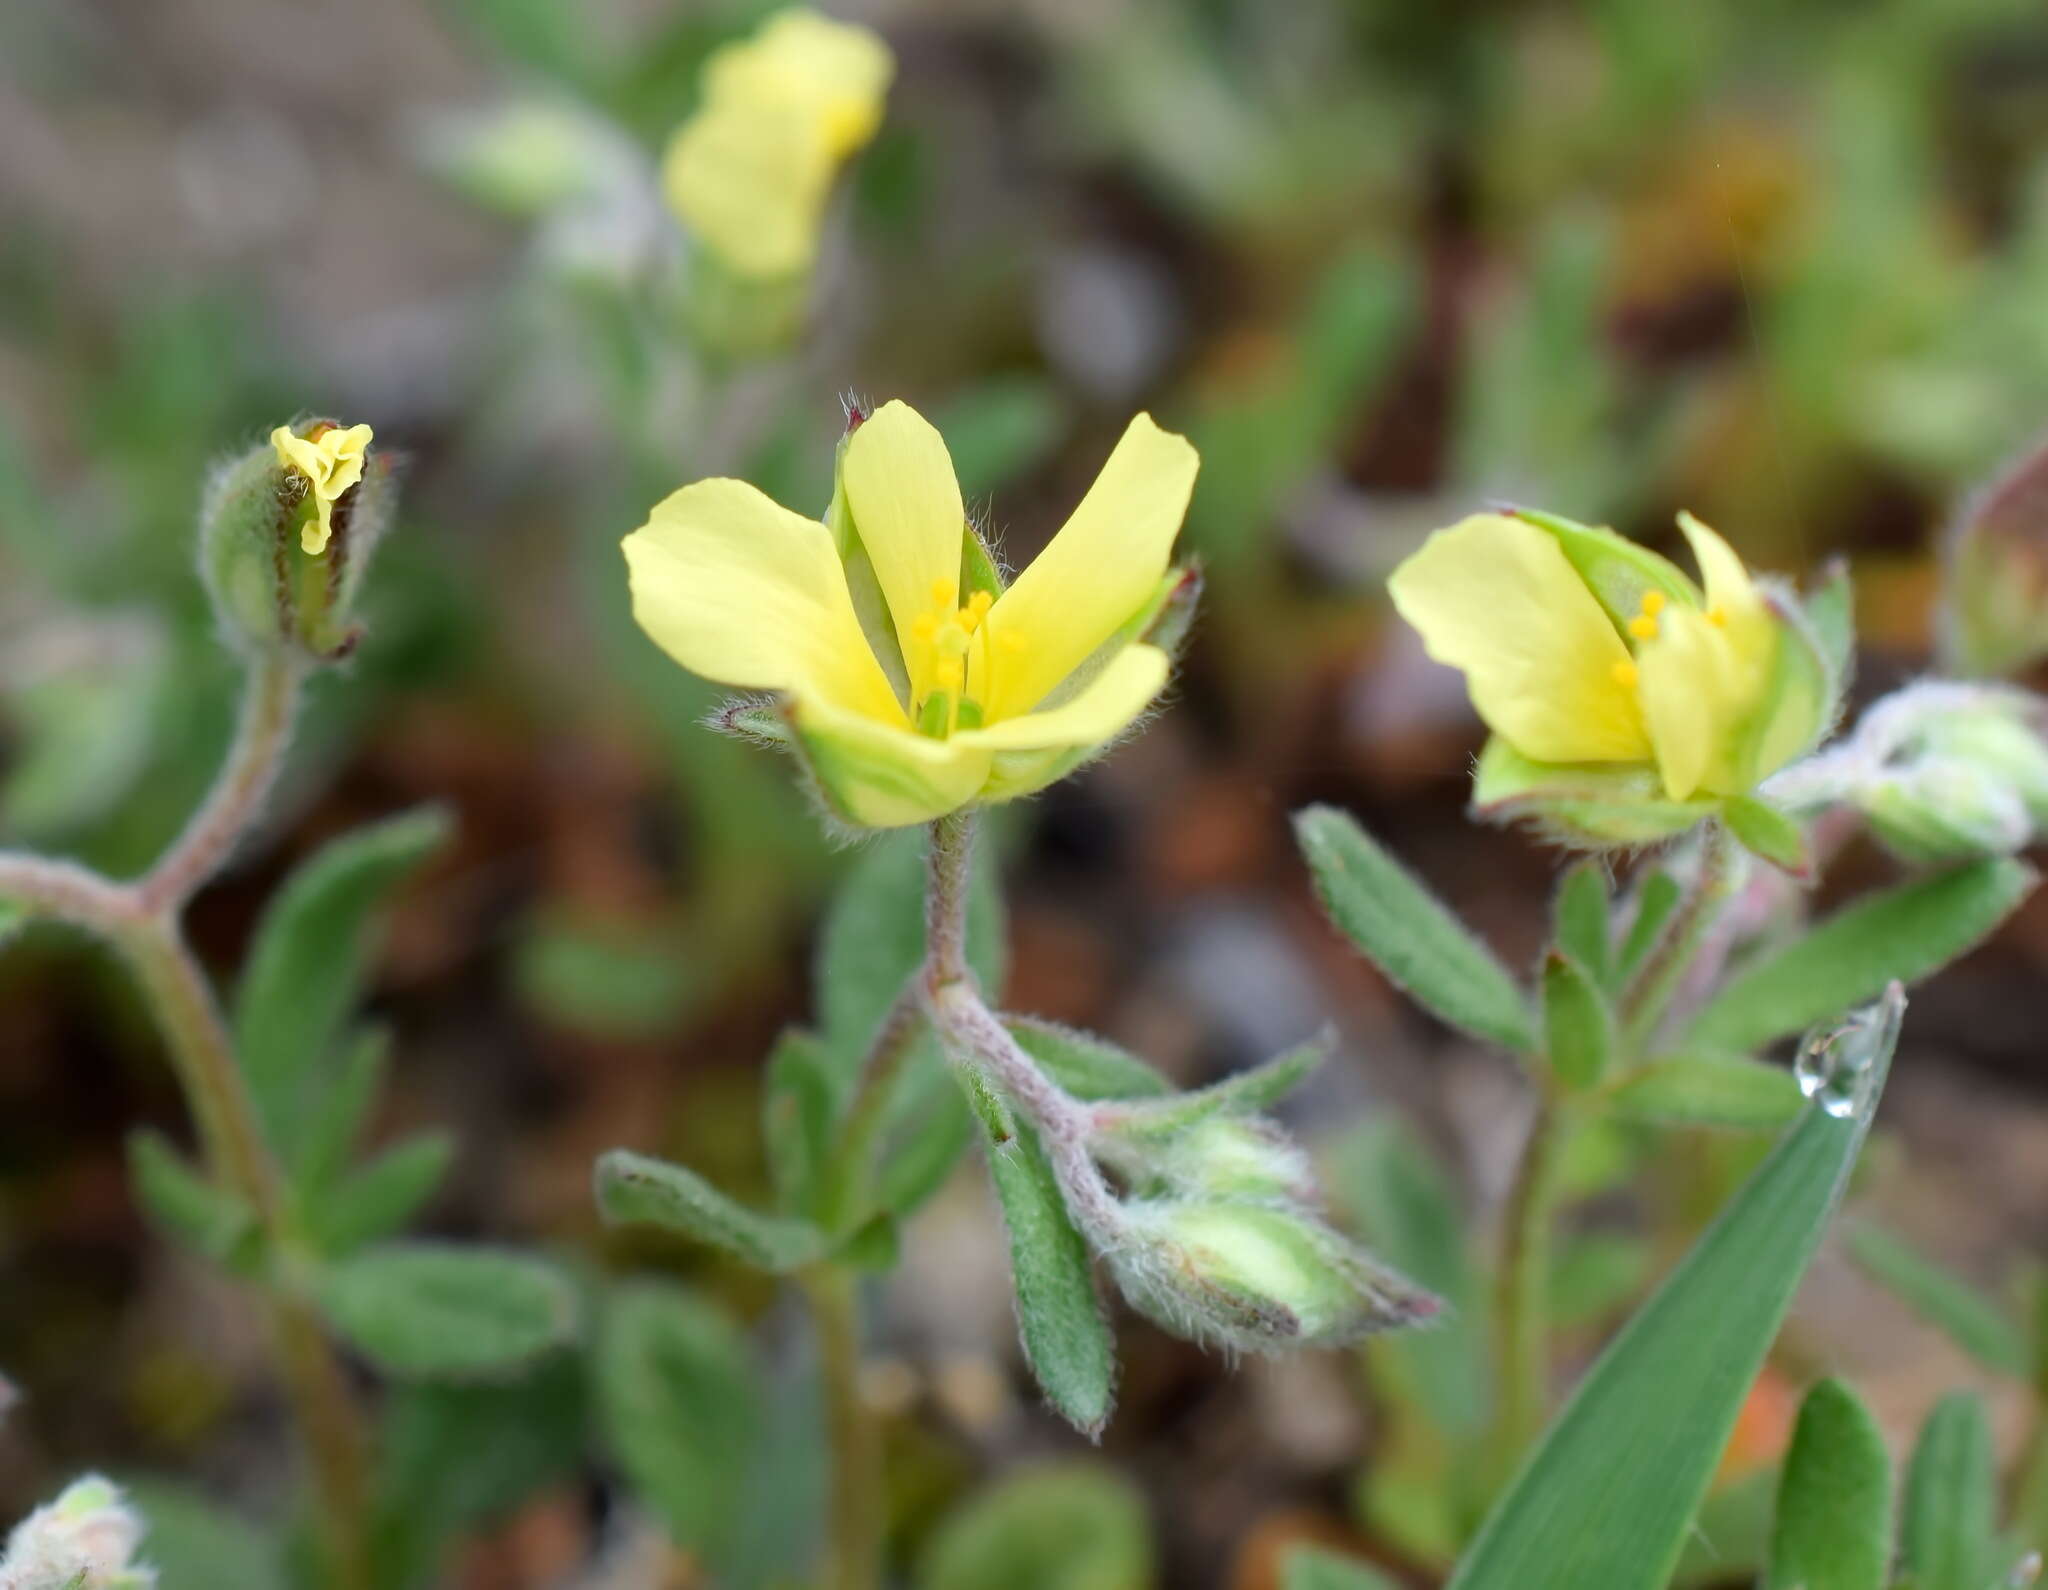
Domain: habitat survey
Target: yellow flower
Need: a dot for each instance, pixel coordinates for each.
(1604, 671)
(913, 681)
(750, 170)
(331, 460)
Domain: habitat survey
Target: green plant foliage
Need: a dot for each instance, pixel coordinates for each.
(1604, 1501)
(1971, 1320)
(1578, 1024)
(1834, 1520)
(187, 1206)
(798, 1098)
(1405, 931)
(1579, 924)
(1947, 1520)
(379, 1198)
(1708, 1090)
(1311, 1568)
(1086, 1066)
(633, 1189)
(1904, 934)
(194, 1544)
(432, 1309)
(1656, 897)
(1062, 1526)
(307, 961)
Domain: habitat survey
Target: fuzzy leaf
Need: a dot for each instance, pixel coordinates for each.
(1765, 831)
(1312, 1568)
(188, 1207)
(307, 961)
(797, 1104)
(1708, 1090)
(432, 1309)
(1904, 933)
(1059, 1312)
(1248, 1092)
(1403, 928)
(1948, 1521)
(1656, 897)
(1606, 1499)
(1970, 1319)
(681, 1400)
(633, 1189)
(1578, 1023)
(1579, 919)
(379, 1197)
(1086, 1066)
(1060, 1526)
(332, 1133)
(1834, 1520)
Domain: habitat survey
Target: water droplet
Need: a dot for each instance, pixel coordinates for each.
(1836, 1065)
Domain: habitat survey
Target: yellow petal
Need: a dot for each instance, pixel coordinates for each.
(1103, 566)
(1495, 598)
(750, 182)
(880, 775)
(1729, 589)
(741, 590)
(1095, 716)
(837, 71)
(1692, 700)
(907, 512)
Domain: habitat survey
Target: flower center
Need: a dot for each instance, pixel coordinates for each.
(952, 662)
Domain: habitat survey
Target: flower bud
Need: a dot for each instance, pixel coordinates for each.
(1255, 1276)
(2004, 741)
(85, 1540)
(286, 531)
(1940, 810)
(1221, 1156)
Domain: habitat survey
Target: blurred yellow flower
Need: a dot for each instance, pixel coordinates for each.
(331, 460)
(913, 681)
(782, 111)
(1581, 648)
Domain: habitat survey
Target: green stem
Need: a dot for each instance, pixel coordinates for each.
(1649, 992)
(1522, 1304)
(844, 1201)
(855, 1525)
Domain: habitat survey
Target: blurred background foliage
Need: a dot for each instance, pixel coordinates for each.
(1784, 264)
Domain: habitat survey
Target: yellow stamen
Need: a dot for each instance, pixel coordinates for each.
(924, 626)
(949, 673)
(942, 592)
(1718, 617)
(1643, 627)
(1626, 674)
(1653, 603)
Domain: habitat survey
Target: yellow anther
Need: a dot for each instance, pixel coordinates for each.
(982, 601)
(1643, 627)
(951, 639)
(924, 626)
(949, 673)
(942, 592)
(1626, 674)
(1718, 617)
(1653, 603)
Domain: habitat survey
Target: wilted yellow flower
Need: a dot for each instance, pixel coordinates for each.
(782, 111)
(1605, 673)
(331, 460)
(913, 681)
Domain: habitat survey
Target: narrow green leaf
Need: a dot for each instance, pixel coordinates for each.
(1059, 1312)
(307, 961)
(187, 1206)
(1086, 1066)
(1765, 831)
(1578, 1023)
(1060, 1526)
(1605, 1500)
(1656, 897)
(682, 1403)
(1970, 1319)
(1312, 1568)
(1903, 933)
(433, 1309)
(798, 1099)
(1579, 919)
(380, 1197)
(1948, 1521)
(1406, 931)
(1248, 1092)
(1593, 1274)
(1834, 1521)
(1831, 616)
(635, 1190)
(924, 1148)
(332, 1133)
(1708, 1090)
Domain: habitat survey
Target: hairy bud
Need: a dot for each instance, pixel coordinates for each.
(85, 1540)
(1939, 810)
(1227, 1157)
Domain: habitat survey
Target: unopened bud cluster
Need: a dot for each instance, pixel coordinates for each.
(1967, 776)
(85, 1540)
(286, 532)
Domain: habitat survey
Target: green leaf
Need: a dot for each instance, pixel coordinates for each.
(1708, 1090)
(380, 1197)
(307, 962)
(1834, 1522)
(1656, 897)
(13, 917)
(188, 1207)
(1948, 1520)
(681, 1399)
(1831, 616)
(1312, 1568)
(332, 1133)
(1594, 1274)
(1059, 1313)
(1407, 932)
(1086, 1066)
(1605, 1500)
(1579, 919)
(195, 1544)
(924, 1149)
(433, 1309)
(1578, 1023)
(1248, 1092)
(1970, 1319)
(635, 1190)
(798, 1099)
(453, 1456)
(1765, 831)
(1060, 1526)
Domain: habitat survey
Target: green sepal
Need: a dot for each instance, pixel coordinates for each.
(1833, 1529)
(1591, 806)
(1619, 572)
(1763, 830)
(635, 1190)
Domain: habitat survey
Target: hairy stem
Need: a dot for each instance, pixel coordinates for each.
(1521, 1302)
(858, 1497)
(949, 885)
(1648, 996)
